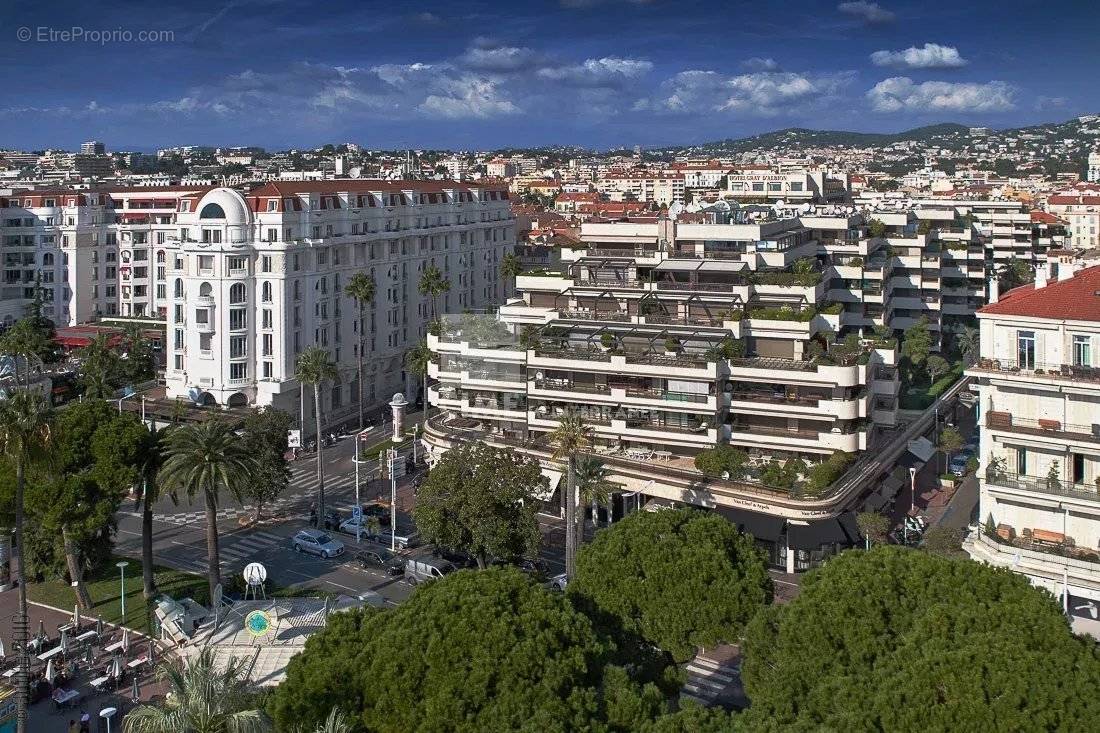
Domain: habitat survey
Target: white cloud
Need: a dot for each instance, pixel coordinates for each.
(757, 63)
(468, 97)
(871, 13)
(928, 56)
(610, 71)
(900, 93)
(490, 57)
(762, 93)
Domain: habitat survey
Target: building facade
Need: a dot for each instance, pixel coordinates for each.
(1038, 381)
(255, 279)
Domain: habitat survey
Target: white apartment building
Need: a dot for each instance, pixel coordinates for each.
(662, 189)
(1082, 215)
(458, 169)
(1094, 168)
(256, 278)
(94, 252)
(794, 186)
(1039, 384)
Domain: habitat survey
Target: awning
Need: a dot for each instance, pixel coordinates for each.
(761, 526)
(922, 448)
(815, 535)
(554, 478)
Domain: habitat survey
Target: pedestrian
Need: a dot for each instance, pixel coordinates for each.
(85, 722)
(73, 727)
(313, 515)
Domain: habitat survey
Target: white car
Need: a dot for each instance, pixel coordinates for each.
(317, 542)
(559, 582)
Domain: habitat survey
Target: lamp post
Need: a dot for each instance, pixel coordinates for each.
(358, 507)
(912, 501)
(121, 565)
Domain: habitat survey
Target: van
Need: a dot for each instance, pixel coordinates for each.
(425, 567)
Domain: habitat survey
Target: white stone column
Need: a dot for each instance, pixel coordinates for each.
(398, 404)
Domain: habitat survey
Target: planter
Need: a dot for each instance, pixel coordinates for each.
(948, 482)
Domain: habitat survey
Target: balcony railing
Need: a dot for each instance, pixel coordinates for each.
(681, 361)
(584, 314)
(767, 362)
(1069, 372)
(676, 427)
(574, 354)
(706, 287)
(740, 427)
(1044, 485)
(610, 284)
(664, 394)
(775, 398)
(999, 420)
(565, 385)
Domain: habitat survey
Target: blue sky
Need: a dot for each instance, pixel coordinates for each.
(474, 74)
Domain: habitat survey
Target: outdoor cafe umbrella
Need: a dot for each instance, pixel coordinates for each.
(64, 641)
(41, 629)
(51, 674)
(125, 641)
(116, 668)
(152, 652)
(99, 626)
(76, 617)
(2, 654)
(136, 690)
(88, 654)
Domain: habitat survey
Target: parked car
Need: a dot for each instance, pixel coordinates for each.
(348, 526)
(378, 509)
(425, 567)
(559, 582)
(379, 558)
(458, 558)
(957, 467)
(317, 542)
(403, 538)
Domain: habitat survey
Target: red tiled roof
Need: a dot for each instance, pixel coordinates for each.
(1074, 200)
(1043, 217)
(1076, 299)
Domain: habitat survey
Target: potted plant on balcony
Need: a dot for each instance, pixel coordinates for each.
(997, 469)
(607, 342)
(672, 346)
(1054, 477)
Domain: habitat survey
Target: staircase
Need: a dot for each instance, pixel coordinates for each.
(712, 683)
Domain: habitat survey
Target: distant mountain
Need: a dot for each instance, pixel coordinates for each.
(801, 136)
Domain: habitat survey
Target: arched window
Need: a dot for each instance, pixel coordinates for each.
(179, 288)
(236, 293)
(160, 256)
(212, 211)
(47, 259)
(205, 290)
(266, 292)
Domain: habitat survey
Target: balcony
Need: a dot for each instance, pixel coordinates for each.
(653, 393)
(1056, 372)
(698, 287)
(584, 314)
(566, 385)
(1006, 421)
(1043, 485)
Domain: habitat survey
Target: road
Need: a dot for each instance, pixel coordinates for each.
(179, 537)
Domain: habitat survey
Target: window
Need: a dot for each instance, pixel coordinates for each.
(265, 263)
(1021, 462)
(1082, 350)
(268, 348)
(178, 314)
(268, 370)
(1078, 468)
(1025, 349)
(266, 318)
(237, 264)
(273, 204)
(265, 292)
(758, 187)
(206, 262)
(178, 288)
(237, 293)
(202, 315)
(238, 347)
(238, 370)
(179, 338)
(238, 319)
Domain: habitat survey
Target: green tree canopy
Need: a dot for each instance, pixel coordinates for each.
(917, 342)
(897, 640)
(482, 500)
(265, 433)
(679, 579)
(475, 651)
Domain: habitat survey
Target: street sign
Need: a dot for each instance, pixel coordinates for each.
(357, 513)
(294, 438)
(397, 464)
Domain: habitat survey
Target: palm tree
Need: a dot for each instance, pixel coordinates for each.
(207, 458)
(334, 723)
(969, 341)
(416, 361)
(100, 365)
(593, 488)
(510, 266)
(148, 493)
(361, 288)
(23, 340)
(433, 283)
(315, 368)
(204, 696)
(24, 435)
(570, 438)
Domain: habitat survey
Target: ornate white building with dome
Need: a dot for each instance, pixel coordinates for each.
(256, 278)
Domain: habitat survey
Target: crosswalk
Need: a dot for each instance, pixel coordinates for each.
(238, 552)
(711, 682)
(185, 518)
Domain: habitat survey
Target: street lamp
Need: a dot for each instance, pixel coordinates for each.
(358, 507)
(912, 502)
(121, 565)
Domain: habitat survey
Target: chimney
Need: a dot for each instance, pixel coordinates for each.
(994, 289)
(1067, 268)
(1041, 275)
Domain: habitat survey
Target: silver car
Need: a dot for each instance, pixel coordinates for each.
(317, 542)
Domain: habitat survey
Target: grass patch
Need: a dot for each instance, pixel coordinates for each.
(921, 396)
(103, 586)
